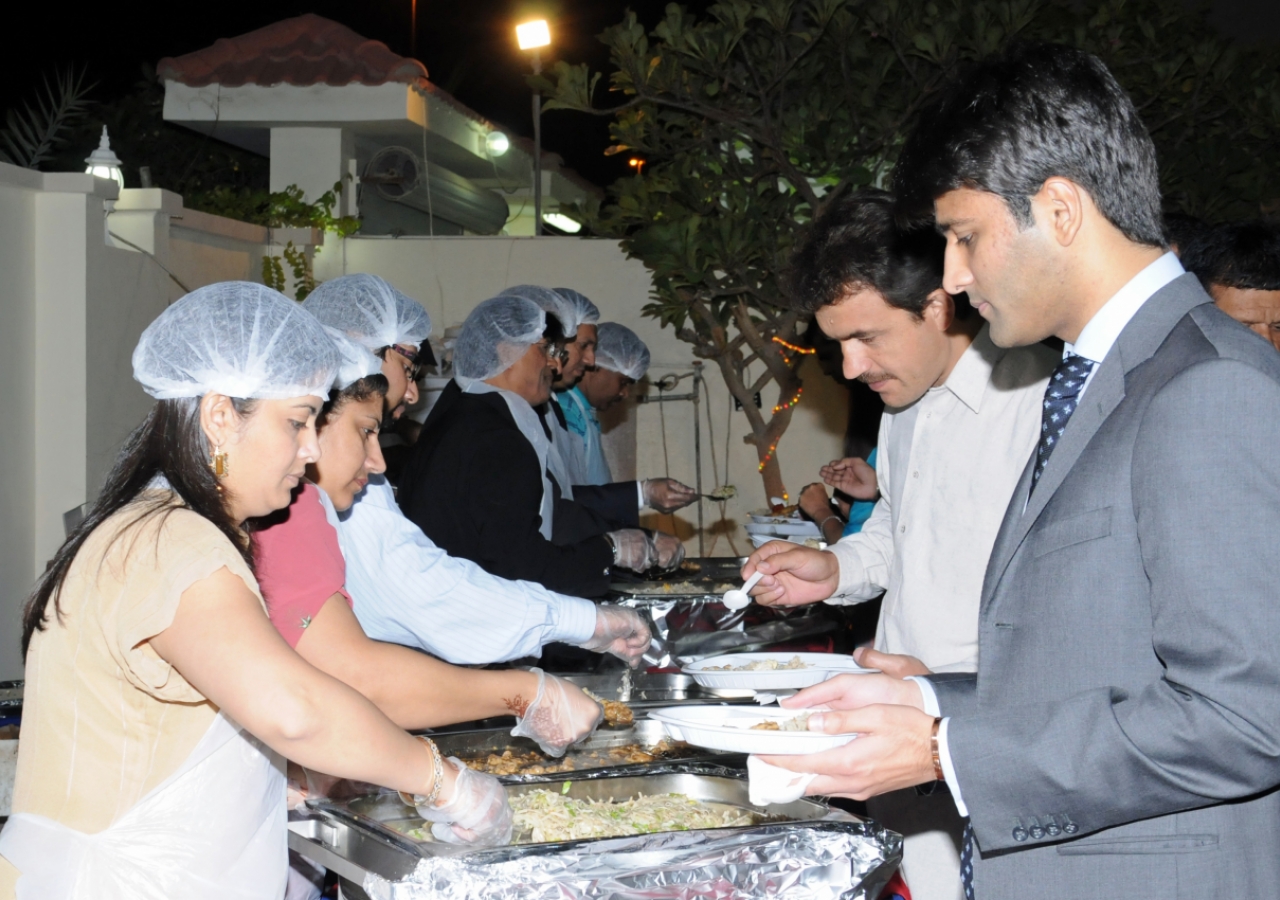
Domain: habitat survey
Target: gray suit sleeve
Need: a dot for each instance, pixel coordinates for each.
(1206, 496)
(956, 692)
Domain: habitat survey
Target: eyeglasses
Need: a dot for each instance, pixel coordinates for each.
(556, 353)
(413, 371)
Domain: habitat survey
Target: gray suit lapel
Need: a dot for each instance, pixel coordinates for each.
(1143, 335)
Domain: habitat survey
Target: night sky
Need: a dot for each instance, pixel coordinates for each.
(468, 47)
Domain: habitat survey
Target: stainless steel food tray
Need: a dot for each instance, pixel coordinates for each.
(646, 732)
(384, 822)
(822, 852)
(653, 691)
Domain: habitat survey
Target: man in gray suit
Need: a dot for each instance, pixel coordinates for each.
(1122, 734)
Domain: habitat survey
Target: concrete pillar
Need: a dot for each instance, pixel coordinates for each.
(312, 158)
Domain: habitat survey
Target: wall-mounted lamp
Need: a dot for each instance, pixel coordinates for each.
(562, 222)
(496, 143)
(103, 163)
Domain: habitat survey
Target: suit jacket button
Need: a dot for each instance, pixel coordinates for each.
(1069, 827)
(1052, 828)
(1036, 831)
(1019, 833)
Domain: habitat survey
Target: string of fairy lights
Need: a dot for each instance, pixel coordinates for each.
(790, 404)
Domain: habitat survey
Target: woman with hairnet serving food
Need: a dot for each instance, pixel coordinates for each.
(303, 576)
(159, 698)
(409, 591)
(477, 482)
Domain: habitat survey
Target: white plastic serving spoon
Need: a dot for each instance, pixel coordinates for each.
(738, 598)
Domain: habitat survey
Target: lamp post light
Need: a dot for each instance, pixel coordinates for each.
(533, 36)
(103, 162)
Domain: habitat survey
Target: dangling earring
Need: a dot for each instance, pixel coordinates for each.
(219, 464)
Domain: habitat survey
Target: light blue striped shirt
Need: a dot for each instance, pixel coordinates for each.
(408, 591)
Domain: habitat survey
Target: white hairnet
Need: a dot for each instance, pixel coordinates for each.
(549, 301)
(619, 349)
(369, 310)
(239, 339)
(497, 333)
(588, 312)
(357, 361)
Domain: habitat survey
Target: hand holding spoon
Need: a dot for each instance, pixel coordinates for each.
(738, 598)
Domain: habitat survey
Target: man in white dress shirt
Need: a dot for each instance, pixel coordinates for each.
(404, 588)
(961, 417)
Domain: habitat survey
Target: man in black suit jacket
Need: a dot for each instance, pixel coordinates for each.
(477, 483)
(1120, 737)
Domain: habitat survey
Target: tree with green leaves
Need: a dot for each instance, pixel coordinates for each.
(753, 118)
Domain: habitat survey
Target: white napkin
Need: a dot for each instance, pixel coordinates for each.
(771, 784)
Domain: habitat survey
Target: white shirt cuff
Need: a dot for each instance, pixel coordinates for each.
(639, 495)
(929, 699)
(575, 620)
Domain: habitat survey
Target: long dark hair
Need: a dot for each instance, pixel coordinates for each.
(170, 442)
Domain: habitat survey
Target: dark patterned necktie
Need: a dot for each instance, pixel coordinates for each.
(1060, 395)
(966, 861)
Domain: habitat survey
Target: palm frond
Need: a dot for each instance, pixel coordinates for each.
(31, 134)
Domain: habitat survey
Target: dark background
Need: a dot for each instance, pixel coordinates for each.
(468, 47)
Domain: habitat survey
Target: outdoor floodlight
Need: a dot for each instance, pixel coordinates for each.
(562, 222)
(496, 143)
(103, 163)
(532, 35)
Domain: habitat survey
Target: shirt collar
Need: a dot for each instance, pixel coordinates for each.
(1102, 331)
(972, 372)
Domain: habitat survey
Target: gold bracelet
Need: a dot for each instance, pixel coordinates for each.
(938, 774)
(437, 774)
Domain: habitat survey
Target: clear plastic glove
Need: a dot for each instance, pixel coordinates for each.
(666, 495)
(620, 631)
(478, 812)
(668, 550)
(560, 715)
(632, 549)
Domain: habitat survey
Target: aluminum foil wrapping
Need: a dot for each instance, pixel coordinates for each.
(689, 628)
(841, 859)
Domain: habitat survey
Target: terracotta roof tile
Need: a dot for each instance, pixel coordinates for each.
(304, 50)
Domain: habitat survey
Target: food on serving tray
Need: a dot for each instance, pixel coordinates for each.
(542, 816)
(680, 587)
(514, 762)
(762, 665)
(690, 566)
(799, 723)
(784, 510)
(724, 492)
(615, 712)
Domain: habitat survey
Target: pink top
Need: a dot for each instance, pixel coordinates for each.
(299, 564)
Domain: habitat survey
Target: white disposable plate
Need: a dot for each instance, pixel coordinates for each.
(728, 728)
(759, 540)
(821, 666)
(785, 528)
(760, 518)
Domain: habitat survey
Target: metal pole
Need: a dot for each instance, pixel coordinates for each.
(697, 449)
(537, 149)
(413, 28)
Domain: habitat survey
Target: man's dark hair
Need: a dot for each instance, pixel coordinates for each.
(1243, 255)
(1182, 231)
(857, 244)
(1030, 113)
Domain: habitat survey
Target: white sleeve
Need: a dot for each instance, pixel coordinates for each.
(930, 703)
(406, 590)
